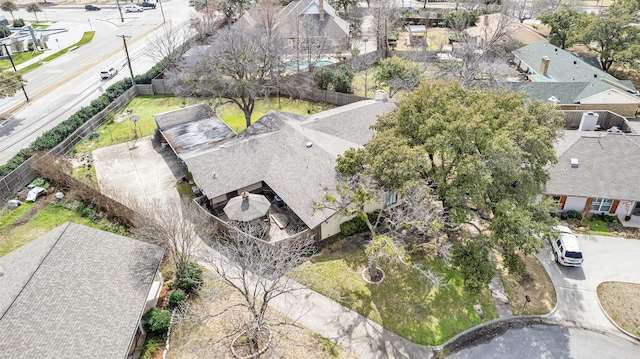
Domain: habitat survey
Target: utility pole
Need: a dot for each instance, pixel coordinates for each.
(6, 50)
(162, 10)
(120, 10)
(126, 50)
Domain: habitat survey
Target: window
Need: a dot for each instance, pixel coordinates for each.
(390, 198)
(601, 204)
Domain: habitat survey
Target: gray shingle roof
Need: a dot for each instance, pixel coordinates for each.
(76, 292)
(192, 129)
(569, 77)
(608, 168)
(274, 150)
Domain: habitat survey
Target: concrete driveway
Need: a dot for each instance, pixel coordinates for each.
(146, 170)
(605, 259)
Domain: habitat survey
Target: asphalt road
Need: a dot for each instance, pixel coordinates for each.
(59, 88)
(550, 341)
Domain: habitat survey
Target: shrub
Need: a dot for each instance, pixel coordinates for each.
(157, 321)
(473, 261)
(176, 298)
(323, 77)
(343, 78)
(4, 31)
(353, 226)
(51, 138)
(189, 278)
(572, 213)
(18, 23)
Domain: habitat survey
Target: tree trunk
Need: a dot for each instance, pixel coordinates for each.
(247, 117)
(373, 269)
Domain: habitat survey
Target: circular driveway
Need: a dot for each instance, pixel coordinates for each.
(605, 259)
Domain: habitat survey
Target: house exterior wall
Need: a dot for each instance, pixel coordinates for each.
(331, 226)
(578, 204)
(250, 188)
(219, 199)
(575, 203)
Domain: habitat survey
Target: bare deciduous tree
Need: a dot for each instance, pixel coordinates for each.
(175, 226)
(169, 44)
(206, 22)
(481, 62)
(258, 271)
(240, 66)
(312, 42)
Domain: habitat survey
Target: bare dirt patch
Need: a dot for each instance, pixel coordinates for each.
(621, 301)
(210, 338)
(535, 283)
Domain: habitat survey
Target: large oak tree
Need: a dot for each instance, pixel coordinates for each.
(484, 151)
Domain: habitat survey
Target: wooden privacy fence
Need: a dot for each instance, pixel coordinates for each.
(24, 174)
(606, 120)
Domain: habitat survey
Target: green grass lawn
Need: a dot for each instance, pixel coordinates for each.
(86, 38)
(18, 58)
(40, 221)
(120, 129)
(402, 303)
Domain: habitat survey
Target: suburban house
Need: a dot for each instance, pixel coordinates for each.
(597, 172)
(77, 292)
(553, 74)
(288, 160)
(298, 20)
(501, 28)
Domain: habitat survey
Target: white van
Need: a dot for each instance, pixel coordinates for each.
(132, 8)
(566, 249)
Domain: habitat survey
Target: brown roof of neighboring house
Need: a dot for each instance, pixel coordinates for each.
(487, 26)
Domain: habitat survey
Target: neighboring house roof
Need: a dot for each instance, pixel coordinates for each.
(300, 13)
(487, 25)
(608, 167)
(75, 292)
(274, 150)
(569, 78)
(192, 129)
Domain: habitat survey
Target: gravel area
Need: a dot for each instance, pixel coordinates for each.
(621, 301)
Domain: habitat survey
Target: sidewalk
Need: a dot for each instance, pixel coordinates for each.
(331, 320)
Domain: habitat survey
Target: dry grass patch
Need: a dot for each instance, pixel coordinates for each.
(209, 338)
(535, 283)
(621, 301)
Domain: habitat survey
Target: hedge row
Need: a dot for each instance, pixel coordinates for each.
(356, 224)
(51, 138)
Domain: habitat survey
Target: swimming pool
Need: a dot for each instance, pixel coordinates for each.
(304, 64)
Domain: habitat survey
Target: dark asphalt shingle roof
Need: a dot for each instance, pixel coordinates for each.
(75, 292)
(192, 129)
(274, 150)
(608, 168)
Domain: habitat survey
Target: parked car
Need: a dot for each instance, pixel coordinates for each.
(132, 8)
(107, 74)
(91, 7)
(147, 4)
(566, 249)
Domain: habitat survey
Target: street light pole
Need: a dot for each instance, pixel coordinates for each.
(162, 11)
(366, 66)
(126, 50)
(6, 50)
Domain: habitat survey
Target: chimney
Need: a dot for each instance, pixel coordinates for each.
(321, 9)
(544, 66)
(486, 20)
